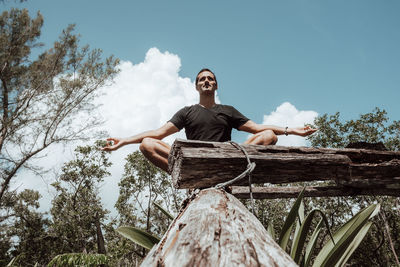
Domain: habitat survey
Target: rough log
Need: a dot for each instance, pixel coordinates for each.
(310, 191)
(215, 229)
(219, 162)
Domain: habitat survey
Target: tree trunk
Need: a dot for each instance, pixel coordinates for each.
(217, 162)
(215, 229)
(101, 248)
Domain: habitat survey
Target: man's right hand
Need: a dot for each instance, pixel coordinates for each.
(113, 144)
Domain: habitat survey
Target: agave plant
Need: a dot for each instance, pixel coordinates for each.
(339, 248)
(140, 237)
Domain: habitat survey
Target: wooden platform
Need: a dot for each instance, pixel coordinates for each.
(196, 164)
(310, 191)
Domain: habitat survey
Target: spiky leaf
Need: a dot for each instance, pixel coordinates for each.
(290, 220)
(169, 215)
(331, 254)
(138, 236)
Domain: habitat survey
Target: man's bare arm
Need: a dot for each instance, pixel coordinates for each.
(252, 127)
(160, 133)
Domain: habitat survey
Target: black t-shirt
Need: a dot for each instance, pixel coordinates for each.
(214, 124)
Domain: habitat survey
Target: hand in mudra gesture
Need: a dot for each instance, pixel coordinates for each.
(113, 144)
(304, 131)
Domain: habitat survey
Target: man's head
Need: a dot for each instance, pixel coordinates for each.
(206, 81)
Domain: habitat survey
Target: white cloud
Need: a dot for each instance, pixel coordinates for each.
(143, 96)
(287, 115)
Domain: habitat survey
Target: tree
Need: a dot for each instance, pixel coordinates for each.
(40, 99)
(77, 211)
(24, 230)
(142, 185)
(371, 127)
(381, 246)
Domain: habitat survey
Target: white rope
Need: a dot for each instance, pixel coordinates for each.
(248, 171)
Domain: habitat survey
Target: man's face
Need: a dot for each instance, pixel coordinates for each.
(206, 83)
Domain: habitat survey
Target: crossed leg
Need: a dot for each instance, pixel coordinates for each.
(156, 151)
(267, 137)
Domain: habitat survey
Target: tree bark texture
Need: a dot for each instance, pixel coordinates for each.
(101, 248)
(217, 162)
(310, 191)
(215, 229)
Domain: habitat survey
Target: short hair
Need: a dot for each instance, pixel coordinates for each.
(205, 69)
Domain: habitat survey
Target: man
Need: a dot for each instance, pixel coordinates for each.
(206, 121)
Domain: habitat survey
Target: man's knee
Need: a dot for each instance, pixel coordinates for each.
(147, 145)
(269, 137)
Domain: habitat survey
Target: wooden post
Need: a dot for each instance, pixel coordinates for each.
(217, 162)
(215, 229)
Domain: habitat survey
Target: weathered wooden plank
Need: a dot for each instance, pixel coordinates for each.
(217, 162)
(215, 229)
(310, 191)
(356, 155)
(365, 175)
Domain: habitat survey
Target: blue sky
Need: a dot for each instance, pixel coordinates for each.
(320, 56)
(325, 56)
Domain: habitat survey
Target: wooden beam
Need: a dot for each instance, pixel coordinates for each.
(310, 191)
(216, 229)
(217, 162)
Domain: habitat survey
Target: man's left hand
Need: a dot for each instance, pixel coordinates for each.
(303, 131)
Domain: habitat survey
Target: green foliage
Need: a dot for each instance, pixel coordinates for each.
(371, 127)
(169, 215)
(143, 188)
(290, 220)
(138, 236)
(77, 208)
(270, 230)
(300, 237)
(141, 185)
(341, 244)
(312, 242)
(21, 221)
(381, 243)
(347, 238)
(13, 262)
(78, 259)
(40, 98)
(75, 212)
